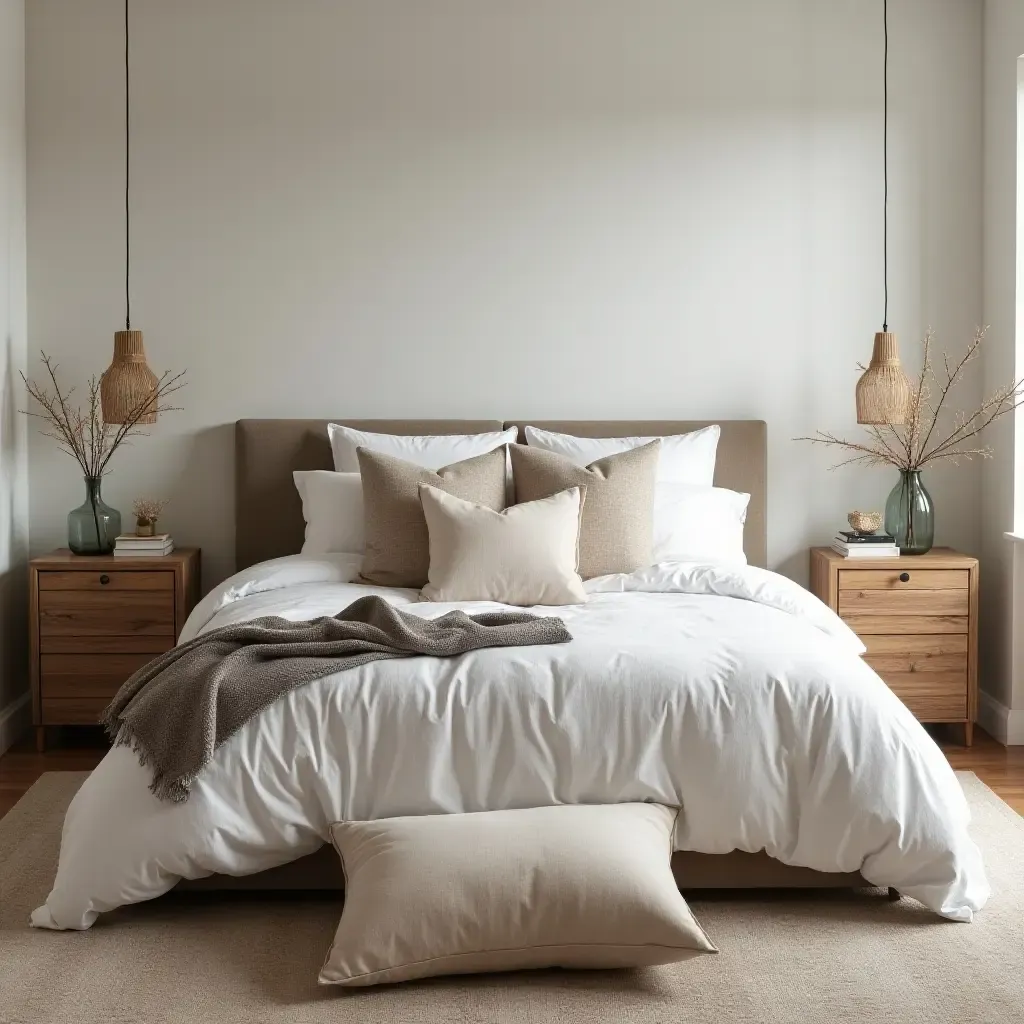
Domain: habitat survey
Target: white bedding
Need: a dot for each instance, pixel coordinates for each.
(729, 691)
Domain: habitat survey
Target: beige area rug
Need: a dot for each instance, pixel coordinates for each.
(849, 957)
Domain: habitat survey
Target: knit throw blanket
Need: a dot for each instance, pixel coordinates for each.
(177, 710)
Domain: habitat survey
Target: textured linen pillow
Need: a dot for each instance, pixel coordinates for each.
(616, 524)
(525, 555)
(397, 551)
(699, 524)
(685, 458)
(428, 450)
(332, 505)
(569, 886)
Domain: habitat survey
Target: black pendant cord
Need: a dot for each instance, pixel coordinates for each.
(885, 161)
(127, 182)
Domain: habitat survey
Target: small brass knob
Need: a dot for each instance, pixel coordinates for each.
(904, 577)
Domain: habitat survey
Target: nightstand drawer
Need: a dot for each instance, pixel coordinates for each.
(104, 581)
(141, 644)
(118, 613)
(903, 602)
(920, 652)
(928, 673)
(931, 696)
(87, 675)
(865, 625)
(73, 710)
(917, 579)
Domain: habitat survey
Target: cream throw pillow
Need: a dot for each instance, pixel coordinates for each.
(397, 546)
(569, 886)
(525, 555)
(332, 505)
(616, 524)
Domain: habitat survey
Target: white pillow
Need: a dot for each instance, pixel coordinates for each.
(332, 505)
(698, 524)
(684, 458)
(430, 451)
(525, 555)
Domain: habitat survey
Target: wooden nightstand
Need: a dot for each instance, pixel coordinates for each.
(94, 620)
(918, 617)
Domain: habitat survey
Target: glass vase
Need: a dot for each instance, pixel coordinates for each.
(910, 514)
(94, 525)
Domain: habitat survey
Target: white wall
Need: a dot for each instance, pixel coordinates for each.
(580, 208)
(1004, 44)
(14, 709)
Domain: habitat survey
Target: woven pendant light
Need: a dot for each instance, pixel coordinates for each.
(883, 391)
(128, 382)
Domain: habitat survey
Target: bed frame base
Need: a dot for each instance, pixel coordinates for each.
(736, 870)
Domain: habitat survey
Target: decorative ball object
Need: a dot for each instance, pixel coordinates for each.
(864, 522)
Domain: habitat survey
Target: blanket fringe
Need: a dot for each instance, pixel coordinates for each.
(162, 786)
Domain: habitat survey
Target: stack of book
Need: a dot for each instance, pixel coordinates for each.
(127, 545)
(861, 545)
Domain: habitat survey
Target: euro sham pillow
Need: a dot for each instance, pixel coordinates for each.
(431, 451)
(577, 886)
(397, 545)
(699, 524)
(332, 506)
(616, 523)
(685, 458)
(525, 555)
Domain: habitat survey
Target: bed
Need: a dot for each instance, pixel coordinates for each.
(266, 453)
(917, 791)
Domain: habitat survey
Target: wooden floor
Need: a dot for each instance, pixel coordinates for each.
(1001, 768)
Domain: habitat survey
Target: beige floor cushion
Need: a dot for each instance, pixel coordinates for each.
(581, 886)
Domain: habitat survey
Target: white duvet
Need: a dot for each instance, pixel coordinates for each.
(729, 691)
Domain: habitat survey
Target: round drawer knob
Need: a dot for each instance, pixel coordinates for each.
(904, 577)
(105, 579)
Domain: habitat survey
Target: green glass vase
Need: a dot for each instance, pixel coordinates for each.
(910, 514)
(94, 525)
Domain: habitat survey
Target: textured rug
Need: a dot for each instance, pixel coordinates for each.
(785, 957)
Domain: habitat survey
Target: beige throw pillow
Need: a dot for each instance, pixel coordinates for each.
(570, 886)
(616, 524)
(525, 555)
(397, 551)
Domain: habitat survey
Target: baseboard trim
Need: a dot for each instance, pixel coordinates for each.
(1001, 723)
(15, 721)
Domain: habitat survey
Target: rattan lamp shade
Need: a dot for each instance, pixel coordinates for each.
(883, 391)
(128, 381)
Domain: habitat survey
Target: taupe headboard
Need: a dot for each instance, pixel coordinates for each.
(268, 513)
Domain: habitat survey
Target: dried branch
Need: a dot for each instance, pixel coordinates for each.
(872, 453)
(83, 434)
(952, 379)
(876, 432)
(910, 446)
(166, 385)
(965, 427)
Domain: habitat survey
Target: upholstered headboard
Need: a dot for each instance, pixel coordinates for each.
(268, 513)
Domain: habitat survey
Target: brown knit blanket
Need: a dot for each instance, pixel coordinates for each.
(177, 710)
